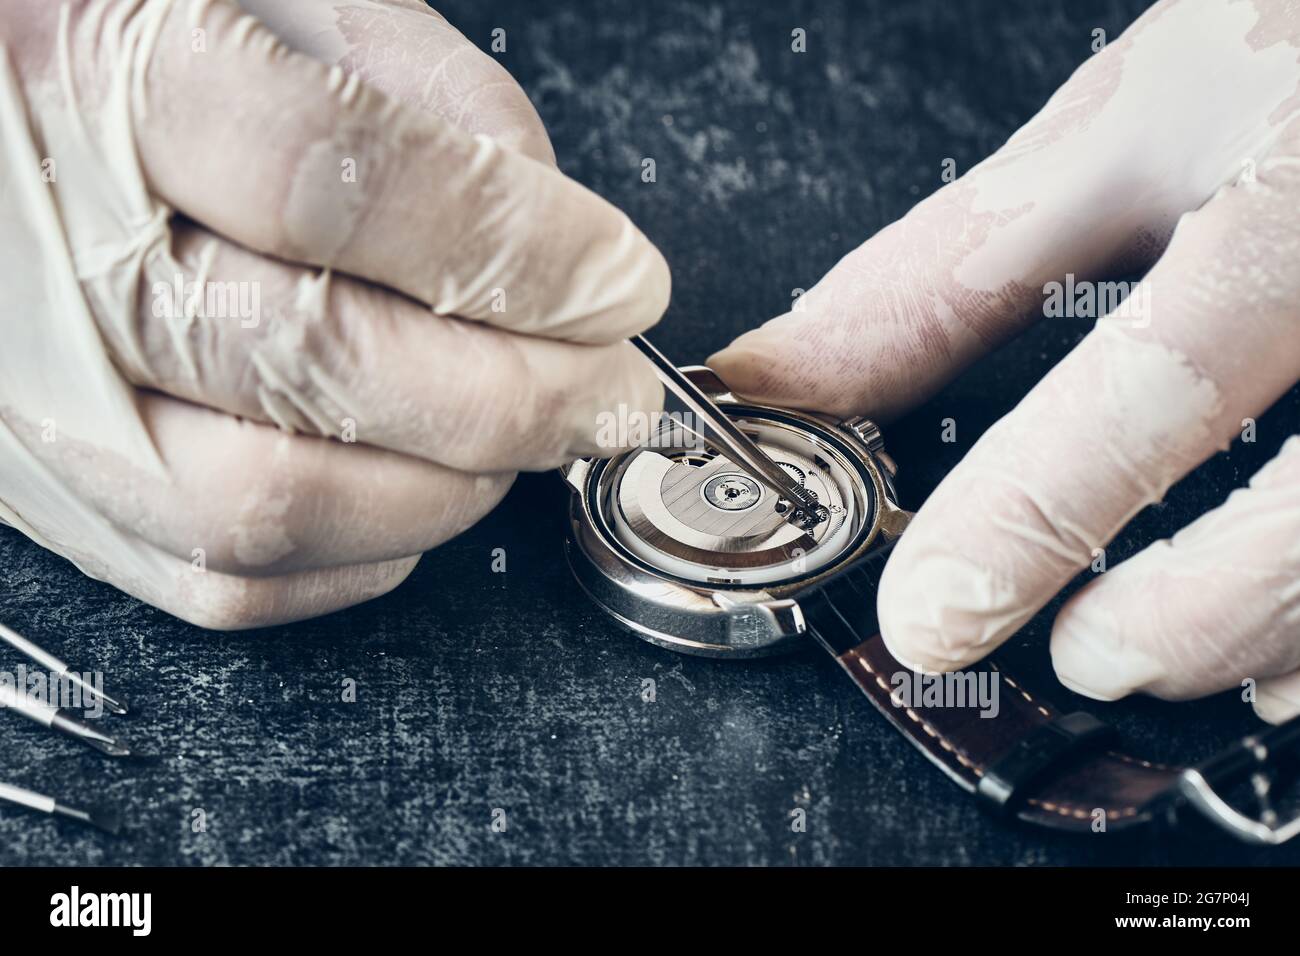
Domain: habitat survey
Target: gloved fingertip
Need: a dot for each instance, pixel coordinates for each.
(926, 620)
(1091, 656)
(764, 341)
(644, 284)
(755, 371)
(658, 285)
(618, 283)
(1278, 700)
(628, 411)
(735, 364)
(904, 651)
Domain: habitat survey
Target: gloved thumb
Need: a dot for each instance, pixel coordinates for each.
(1086, 187)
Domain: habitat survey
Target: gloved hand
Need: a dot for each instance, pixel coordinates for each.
(1190, 120)
(276, 321)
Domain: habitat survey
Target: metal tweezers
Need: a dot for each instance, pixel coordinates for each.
(732, 442)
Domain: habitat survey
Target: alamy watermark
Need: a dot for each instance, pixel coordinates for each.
(55, 690)
(1083, 299)
(957, 689)
(133, 911)
(625, 428)
(208, 300)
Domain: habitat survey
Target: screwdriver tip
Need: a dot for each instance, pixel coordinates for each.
(110, 821)
(75, 727)
(103, 818)
(113, 748)
(96, 692)
(109, 745)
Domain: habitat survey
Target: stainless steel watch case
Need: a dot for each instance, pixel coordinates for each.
(722, 621)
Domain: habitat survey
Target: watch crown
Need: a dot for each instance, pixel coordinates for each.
(867, 431)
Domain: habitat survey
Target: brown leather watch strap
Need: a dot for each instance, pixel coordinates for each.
(1023, 757)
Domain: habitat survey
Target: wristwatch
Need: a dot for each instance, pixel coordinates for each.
(682, 545)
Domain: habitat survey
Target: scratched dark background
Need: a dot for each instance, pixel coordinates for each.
(479, 691)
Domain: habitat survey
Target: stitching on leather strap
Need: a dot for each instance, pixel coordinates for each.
(1149, 764)
(1078, 813)
(1066, 809)
(1062, 809)
(1023, 693)
(943, 741)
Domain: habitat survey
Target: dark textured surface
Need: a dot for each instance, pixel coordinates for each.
(479, 690)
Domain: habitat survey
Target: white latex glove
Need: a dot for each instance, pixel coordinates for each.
(1190, 120)
(471, 328)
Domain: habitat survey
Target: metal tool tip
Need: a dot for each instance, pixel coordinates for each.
(110, 821)
(109, 745)
(102, 818)
(96, 692)
(88, 735)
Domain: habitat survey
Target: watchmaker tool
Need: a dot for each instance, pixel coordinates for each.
(734, 443)
(60, 720)
(56, 666)
(103, 819)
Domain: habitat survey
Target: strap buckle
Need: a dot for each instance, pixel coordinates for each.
(1256, 759)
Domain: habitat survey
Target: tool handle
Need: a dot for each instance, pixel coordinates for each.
(26, 798)
(29, 707)
(38, 654)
